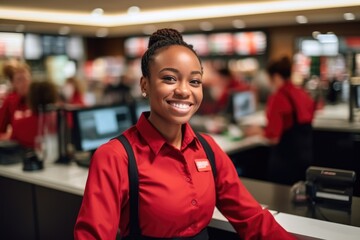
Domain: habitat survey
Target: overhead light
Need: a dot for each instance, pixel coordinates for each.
(301, 19)
(165, 15)
(178, 26)
(97, 12)
(64, 30)
(349, 16)
(20, 28)
(206, 26)
(102, 32)
(315, 34)
(237, 23)
(133, 10)
(149, 29)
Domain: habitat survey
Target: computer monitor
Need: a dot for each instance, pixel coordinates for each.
(96, 126)
(241, 105)
(140, 107)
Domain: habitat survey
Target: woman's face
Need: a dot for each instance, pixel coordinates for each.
(174, 86)
(21, 82)
(276, 82)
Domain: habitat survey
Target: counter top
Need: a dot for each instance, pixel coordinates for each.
(332, 117)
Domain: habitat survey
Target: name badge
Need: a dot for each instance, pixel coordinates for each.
(202, 165)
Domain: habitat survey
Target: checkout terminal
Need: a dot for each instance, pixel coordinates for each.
(95, 126)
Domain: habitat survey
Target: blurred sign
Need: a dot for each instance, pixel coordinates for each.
(11, 44)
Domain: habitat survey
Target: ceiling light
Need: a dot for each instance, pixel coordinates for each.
(20, 28)
(315, 34)
(149, 29)
(206, 26)
(349, 16)
(238, 24)
(97, 12)
(102, 32)
(301, 19)
(178, 26)
(64, 30)
(133, 10)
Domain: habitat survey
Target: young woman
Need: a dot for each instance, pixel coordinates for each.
(14, 105)
(289, 112)
(177, 195)
(29, 127)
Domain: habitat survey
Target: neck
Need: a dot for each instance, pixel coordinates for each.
(171, 132)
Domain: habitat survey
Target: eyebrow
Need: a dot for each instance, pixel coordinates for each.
(177, 71)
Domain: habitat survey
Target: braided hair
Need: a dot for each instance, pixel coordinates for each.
(160, 39)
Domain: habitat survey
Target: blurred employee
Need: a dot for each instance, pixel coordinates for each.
(14, 105)
(289, 112)
(229, 85)
(32, 124)
(177, 191)
(72, 93)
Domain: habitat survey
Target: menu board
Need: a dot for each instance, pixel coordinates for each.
(136, 46)
(199, 42)
(11, 44)
(250, 43)
(222, 44)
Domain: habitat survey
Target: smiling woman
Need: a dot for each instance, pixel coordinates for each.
(176, 186)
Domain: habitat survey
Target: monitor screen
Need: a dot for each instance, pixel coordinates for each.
(140, 107)
(96, 126)
(243, 104)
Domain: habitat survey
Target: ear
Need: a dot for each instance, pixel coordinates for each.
(144, 85)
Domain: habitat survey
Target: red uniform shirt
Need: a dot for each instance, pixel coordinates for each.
(279, 111)
(175, 199)
(13, 107)
(26, 128)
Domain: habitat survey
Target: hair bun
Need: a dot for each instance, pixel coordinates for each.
(165, 34)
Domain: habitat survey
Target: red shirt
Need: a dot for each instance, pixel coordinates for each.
(26, 128)
(13, 106)
(279, 111)
(175, 199)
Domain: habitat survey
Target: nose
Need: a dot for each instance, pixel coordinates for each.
(182, 89)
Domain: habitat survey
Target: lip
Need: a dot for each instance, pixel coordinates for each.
(180, 107)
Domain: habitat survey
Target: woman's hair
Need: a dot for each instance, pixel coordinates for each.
(282, 67)
(41, 94)
(11, 67)
(162, 38)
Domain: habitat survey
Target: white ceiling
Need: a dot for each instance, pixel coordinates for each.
(49, 16)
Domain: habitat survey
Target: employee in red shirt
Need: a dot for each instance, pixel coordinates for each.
(289, 112)
(36, 124)
(177, 191)
(14, 105)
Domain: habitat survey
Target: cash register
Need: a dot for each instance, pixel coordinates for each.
(330, 187)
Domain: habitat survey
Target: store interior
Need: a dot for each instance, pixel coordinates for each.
(100, 44)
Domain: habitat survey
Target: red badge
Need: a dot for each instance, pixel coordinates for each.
(203, 165)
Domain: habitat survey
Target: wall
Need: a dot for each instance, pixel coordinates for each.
(282, 39)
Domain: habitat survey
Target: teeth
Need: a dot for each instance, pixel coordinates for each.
(180, 105)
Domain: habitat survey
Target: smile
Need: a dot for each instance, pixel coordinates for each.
(180, 105)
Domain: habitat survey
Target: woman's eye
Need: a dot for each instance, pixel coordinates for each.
(169, 79)
(195, 82)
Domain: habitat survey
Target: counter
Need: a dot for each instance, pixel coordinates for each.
(71, 179)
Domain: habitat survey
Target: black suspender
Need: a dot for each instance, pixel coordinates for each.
(134, 225)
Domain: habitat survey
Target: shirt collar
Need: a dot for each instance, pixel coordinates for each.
(154, 138)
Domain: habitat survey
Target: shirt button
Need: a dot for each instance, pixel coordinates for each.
(188, 179)
(194, 202)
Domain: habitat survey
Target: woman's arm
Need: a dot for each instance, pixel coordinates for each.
(99, 215)
(238, 206)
